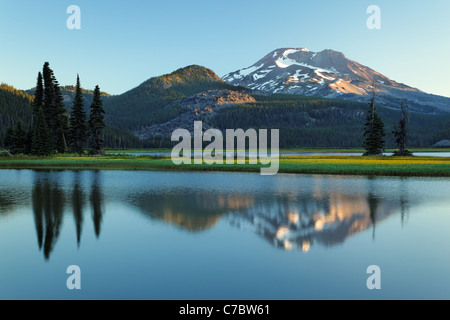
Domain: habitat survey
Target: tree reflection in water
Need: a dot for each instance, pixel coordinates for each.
(49, 201)
(48, 206)
(288, 220)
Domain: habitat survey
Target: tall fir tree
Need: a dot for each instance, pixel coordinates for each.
(9, 138)
(19, 139)
(78, 127)
(48, 77)
(96, 124)
(38, 97)
(401, 132)
(374, 132)
(28, 140)
(41, 142)
(54, 110)
(61, 129)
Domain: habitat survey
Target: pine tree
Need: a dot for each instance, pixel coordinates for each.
(29, 140)
(18, 143)
(61, 129)
(374, 132)
(78, 128)
(48, 95)
(9, 138)
(38, 97)
(55, 112)
(401, 132)
(41, 142)
(96, 124)
(379, 134)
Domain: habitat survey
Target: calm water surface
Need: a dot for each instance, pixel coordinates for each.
(199, 235)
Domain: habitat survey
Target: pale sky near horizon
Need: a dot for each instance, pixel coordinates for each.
(123, 43)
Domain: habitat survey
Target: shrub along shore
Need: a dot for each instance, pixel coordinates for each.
(340, 165)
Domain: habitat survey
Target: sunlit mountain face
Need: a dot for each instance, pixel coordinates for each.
(330, 74)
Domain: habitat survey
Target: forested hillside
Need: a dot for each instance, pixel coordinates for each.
(316, 122)
(68, 94)
(144, 105)
(15, 105)
(303, 121)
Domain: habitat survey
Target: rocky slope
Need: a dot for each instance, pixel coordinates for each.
(201, 106)
(329, 74)
(146, 104)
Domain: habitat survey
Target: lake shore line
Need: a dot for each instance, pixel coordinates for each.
(338, 165)
(288, 150)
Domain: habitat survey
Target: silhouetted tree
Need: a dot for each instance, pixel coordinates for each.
(54, 110)
(96, 124)
(41, 142)
(61, 129)
(78, 128)
(19, 139)
(28, 140)
(373, 131)
(9, 138)
(401, 132)
(48, 77)
(38, 101)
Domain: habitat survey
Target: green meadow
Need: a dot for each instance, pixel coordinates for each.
(342, 165)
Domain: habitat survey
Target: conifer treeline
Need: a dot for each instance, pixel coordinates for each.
(52, 129)
(374, 132)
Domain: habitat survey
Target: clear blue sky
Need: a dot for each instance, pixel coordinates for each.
(123, 43)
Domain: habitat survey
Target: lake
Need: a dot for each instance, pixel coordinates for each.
(208, 235)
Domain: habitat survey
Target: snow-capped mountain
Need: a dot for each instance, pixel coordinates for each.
(329, 74)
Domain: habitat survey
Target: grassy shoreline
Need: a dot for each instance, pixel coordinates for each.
(339, 165)
(343, 150)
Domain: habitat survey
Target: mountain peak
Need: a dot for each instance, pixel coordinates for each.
(192, 73)
(327, 74)
(156, 93)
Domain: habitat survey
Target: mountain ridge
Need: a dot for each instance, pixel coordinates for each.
(330, 74)
(150, 98)
(16, 107)
(160, 104)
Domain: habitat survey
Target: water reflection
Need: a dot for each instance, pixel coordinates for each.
(7, 202)
(77, 205)
(403, 200)
(50, 200)
(48, 206)
(96, 200)
(328, 220)
(11, 198)
(319, 211)
(192, 210)
(286, 220)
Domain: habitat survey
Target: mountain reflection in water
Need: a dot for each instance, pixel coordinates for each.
(288, 219)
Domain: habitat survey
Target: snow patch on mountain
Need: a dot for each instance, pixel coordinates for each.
(329, 74)
(316, 71)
